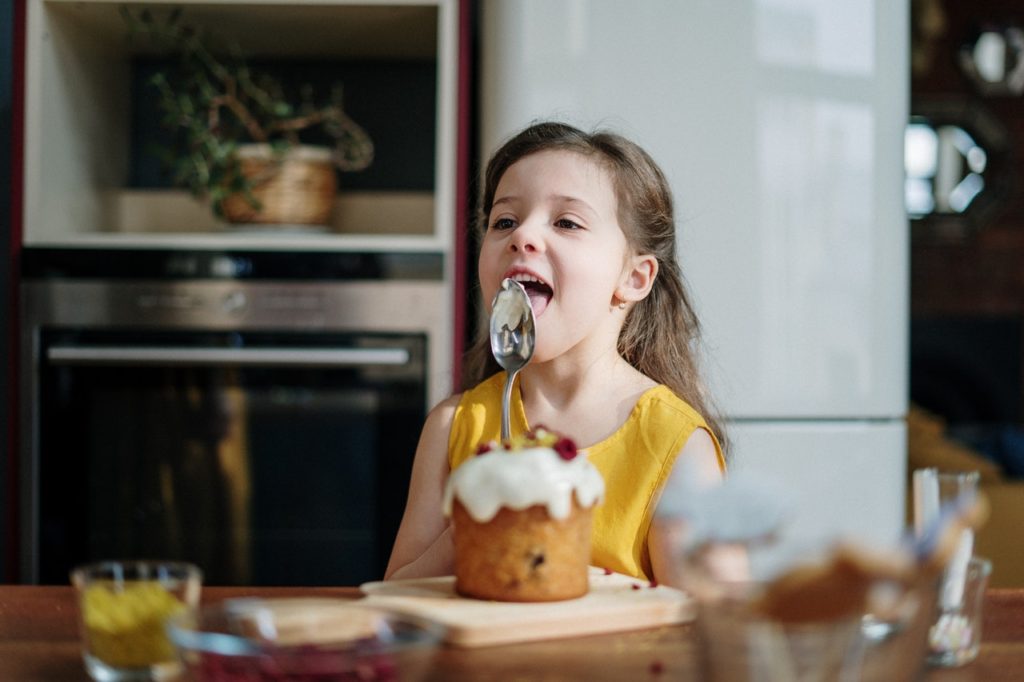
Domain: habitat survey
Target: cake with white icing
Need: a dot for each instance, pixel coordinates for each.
(521, 514)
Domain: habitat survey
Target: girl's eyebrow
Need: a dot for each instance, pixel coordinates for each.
(560, 198)
(504, 200)
(574, 200)
(570, 199)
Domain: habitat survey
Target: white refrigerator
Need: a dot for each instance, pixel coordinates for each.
(780, 125)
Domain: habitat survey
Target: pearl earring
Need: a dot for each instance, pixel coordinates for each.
(622, 305)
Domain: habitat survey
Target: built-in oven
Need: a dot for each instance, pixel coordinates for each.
(261, 428)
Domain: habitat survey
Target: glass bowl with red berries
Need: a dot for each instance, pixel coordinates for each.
(314, 639)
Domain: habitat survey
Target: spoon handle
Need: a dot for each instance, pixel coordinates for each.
(506, 404)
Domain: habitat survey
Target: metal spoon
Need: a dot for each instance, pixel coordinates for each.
(512, 339)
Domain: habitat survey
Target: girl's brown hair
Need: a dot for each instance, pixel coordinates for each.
(661, 335)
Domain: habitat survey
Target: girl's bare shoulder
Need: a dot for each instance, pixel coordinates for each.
(439, 419)
(446, 406)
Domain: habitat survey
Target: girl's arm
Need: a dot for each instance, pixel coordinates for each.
(696, 467)
(423, 546)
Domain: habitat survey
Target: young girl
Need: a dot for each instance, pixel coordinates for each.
(585, 223)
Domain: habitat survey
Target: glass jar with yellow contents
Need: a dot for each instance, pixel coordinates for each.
(123, 607)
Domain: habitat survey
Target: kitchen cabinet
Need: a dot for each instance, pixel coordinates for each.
(84, 183)
(95, 213)
(89, 181)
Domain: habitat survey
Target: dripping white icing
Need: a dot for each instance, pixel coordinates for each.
(520, 479)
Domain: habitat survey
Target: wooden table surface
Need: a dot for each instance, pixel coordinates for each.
(39, 641)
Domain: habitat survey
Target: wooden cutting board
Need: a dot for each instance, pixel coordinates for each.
(615, 603)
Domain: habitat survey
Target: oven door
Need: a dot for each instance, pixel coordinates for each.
(266, 458)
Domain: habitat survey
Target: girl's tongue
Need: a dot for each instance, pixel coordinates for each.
(539, 295)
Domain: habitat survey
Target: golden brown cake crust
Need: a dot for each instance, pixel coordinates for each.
(522, 555)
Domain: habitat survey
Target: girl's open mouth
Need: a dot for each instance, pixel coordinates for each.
(539, 292)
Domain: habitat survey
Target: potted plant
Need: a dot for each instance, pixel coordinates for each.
(241, 137)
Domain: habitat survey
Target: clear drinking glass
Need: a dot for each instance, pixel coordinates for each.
(934, 490)
(954, 636)
(123, 606)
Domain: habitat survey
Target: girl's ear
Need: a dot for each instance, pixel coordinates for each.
(637, 278)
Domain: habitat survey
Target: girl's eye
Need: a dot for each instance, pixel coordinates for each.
(503, 224)
(567, 224)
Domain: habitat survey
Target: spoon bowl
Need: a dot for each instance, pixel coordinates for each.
(513, 337)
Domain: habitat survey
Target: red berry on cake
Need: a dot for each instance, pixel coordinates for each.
(566, 449)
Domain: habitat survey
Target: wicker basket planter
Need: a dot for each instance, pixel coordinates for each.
(297, 188)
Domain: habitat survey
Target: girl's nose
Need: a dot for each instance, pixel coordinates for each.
(526, 239)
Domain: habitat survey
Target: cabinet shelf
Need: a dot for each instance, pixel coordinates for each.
(81, 146)
(376, 221)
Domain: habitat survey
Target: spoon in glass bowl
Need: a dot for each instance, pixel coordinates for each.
(513, 337)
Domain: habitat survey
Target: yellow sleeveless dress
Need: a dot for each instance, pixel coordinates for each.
(635, 462)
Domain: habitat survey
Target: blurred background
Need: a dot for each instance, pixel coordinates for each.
(848, 182)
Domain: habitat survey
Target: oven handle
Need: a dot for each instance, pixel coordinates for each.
(209, 357)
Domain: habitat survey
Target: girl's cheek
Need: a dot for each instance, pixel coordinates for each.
(488, 265)
(487, 286)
